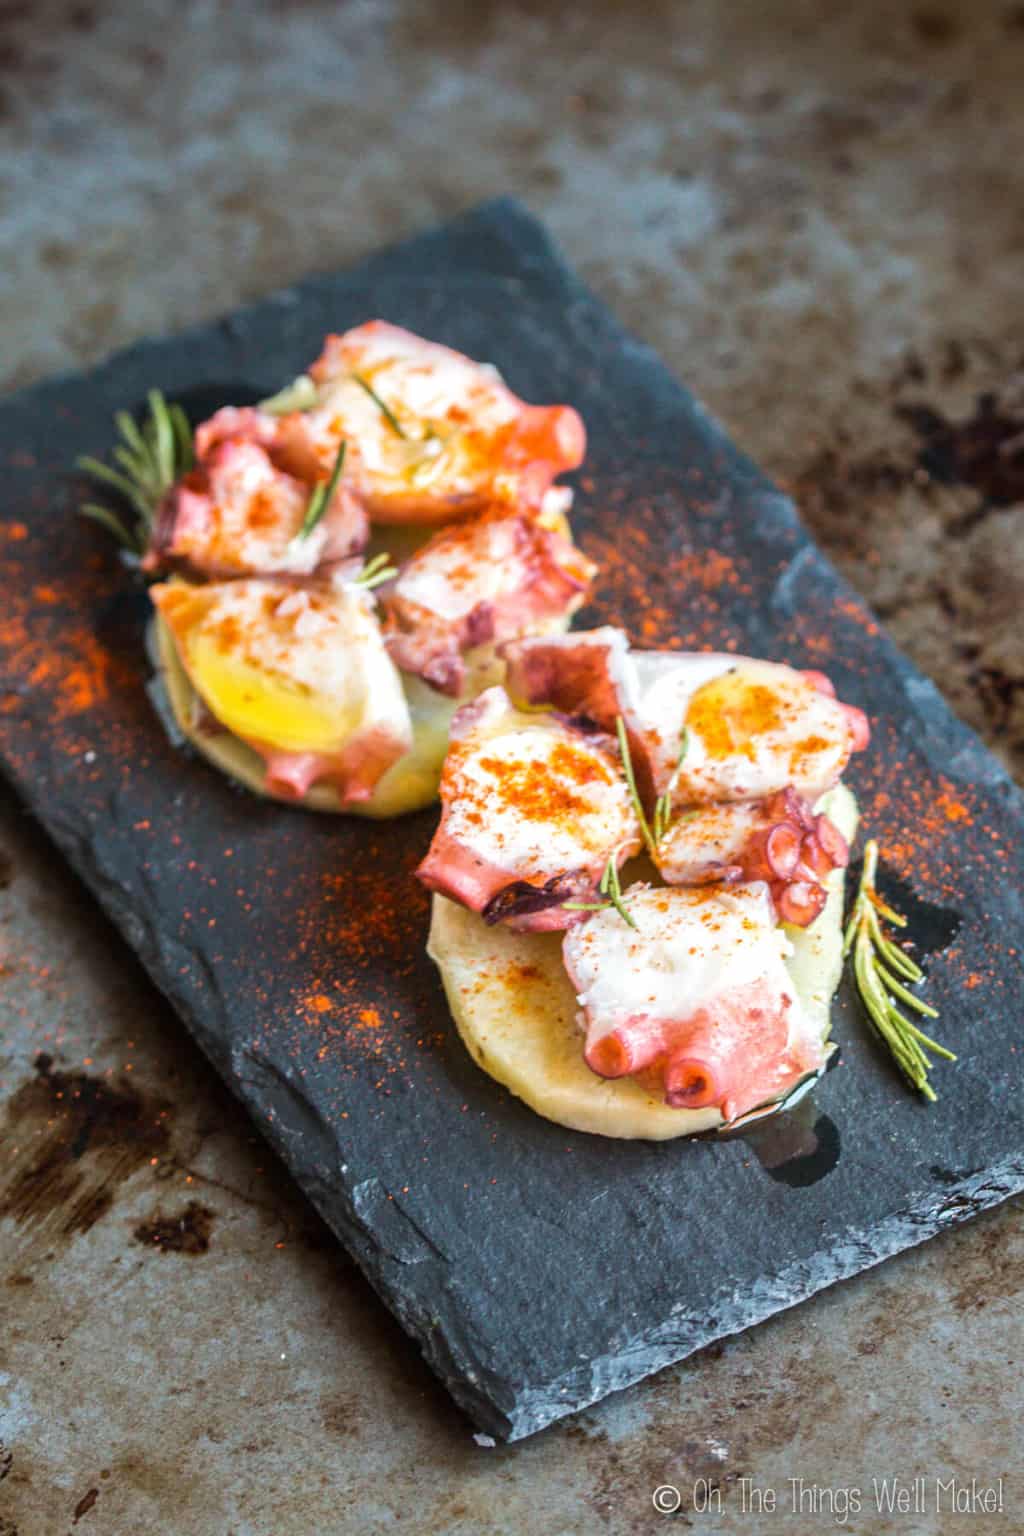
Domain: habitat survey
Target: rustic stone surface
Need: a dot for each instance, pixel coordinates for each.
(865, 250)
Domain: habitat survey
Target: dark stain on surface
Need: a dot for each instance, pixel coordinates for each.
(989, 1269)
(932, 461)
(934, 26)
(982, 452)
(19, 47)
(341, 1414)
(6, 870)
(70, 1140)
(836, 481)
(188, 1232)
(82, 18)
(986, 451)
(84, 1504)
(1000, 693)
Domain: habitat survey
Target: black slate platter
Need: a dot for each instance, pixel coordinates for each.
(536, 1269)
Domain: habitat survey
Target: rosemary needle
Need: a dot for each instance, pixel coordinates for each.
(150, 458)
(382, 406)
(375, 572)
(611, 889)
(322, 495)
(881, 970)
(652, 832)
(627, 767)
(111, 522)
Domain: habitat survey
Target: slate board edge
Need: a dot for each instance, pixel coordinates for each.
(672, 1340)
(373, 267)
(796, 1284)
(146, 947)
(666, 1344)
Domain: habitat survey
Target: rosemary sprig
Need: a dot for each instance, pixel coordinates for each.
(652, 831)
(151, 457)
(650, 842)
(321, 495)
(881, 968)
(375, 572)
(385, 410)
(611, 889)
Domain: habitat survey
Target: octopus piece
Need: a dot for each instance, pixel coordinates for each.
(239, 513)
(779, 840)
(695, 997)
(533, 810)
(247, 422)
(702, 727)
(589, 674)
(731, 728)
(477, 583)
(435, 435)
(301, 675)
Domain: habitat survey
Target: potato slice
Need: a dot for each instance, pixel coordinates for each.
(514, 1007)
(409, 785)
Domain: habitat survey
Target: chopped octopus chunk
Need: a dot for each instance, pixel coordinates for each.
(478, 582)
(243, 422)
(239, 512)
(435, 435)
(589, 673)
(752, 728)
(697, 996)
(778, 840)
(299, 673)
(533, 809)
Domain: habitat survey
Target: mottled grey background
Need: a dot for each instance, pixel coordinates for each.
(815, 212)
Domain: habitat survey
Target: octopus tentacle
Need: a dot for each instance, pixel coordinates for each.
(779, 840)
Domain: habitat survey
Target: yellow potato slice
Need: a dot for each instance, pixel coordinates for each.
(409, 785)
(514, 1007)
